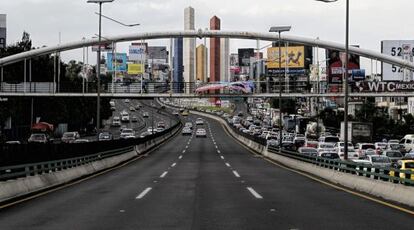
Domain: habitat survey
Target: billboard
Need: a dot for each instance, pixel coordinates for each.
(336, 68)
(105, 47)
(158, 53)
(3, 31)
(403, 49)
(244, 56)
(119, 63)
(138, 51)
(383, 86)
(234, 60)
(135, 69)
(292, 57)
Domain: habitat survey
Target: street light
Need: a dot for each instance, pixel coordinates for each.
(279, 30)
(98, 65)
(345, 75)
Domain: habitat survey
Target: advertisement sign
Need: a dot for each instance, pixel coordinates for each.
(245, 55)
(119, 63)
(234, 60)
(403, 49)
(158, 53)
(336, 67)
(137, 52)
(135, 69)
(383, 86)
(106, 47)
(358, 74)
(292, 57)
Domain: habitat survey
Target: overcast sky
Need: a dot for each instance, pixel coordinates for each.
(370, 20)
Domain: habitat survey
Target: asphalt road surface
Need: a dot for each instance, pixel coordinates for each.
(202, 183)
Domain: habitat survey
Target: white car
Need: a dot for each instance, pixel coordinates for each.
(201, 133)
(325, 147)
(341, 144)
(151, 130)
(352, 154)
(116, 121)
(126, 101)
(127, 134)
(124, 117)
(199, 121)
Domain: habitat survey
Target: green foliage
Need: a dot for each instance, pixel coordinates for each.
(77, 112)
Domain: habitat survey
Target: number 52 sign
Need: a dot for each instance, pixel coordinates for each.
(403, 49)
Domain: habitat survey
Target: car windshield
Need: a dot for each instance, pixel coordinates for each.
(68, 135)
(409, 165)
(38, 136)
(367, 147)
(127, 131)
(326, 145)
(331, 139)
(309, 151)
(379, 159)
(393, 154)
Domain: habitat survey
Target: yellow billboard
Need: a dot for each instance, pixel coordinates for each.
(293, 55)
(134, 69)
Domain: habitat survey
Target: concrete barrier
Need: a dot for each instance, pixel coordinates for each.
(13, 189)
(383, 189)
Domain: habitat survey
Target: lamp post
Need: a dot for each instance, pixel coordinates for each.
(279, 30)
(345, 75)
(98, 65)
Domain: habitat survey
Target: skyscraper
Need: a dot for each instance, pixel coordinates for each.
(178, 66)
(201, 63)
(214, 51)
(225, 59)
(3, 30)
(189, 47)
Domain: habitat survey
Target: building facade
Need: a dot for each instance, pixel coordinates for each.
(178, 80)
(201, 63)
(189, 47)
(215, 51)
(3, 31)
(225, 60)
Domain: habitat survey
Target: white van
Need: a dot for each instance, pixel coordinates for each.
(408, 142)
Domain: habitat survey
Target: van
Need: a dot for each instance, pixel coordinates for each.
(408, 142)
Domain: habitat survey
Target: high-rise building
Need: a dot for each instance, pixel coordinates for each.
(214, 51)
(201, 63)
(178, 80)
(189, 47)
(3, 30)
(225, 59)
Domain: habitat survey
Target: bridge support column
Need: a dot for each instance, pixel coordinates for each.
(30, 76)
(1, 78)
(24, 75)
(54, 73)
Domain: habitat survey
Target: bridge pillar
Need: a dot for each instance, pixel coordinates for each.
(24, 75)
(1, 78)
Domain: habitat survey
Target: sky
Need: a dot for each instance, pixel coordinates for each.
(370, 20)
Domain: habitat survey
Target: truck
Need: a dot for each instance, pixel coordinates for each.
(312, 132)
(358, 132)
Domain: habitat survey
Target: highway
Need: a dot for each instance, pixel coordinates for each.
(202, 183)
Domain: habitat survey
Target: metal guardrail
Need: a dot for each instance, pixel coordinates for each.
(13, 172)
(34, 168)
(369, 171)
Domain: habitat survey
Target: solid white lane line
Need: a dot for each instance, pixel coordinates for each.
(164, 174)
(180, 157)
(227, 164)
(173, 165)
(254, 193)
(143, 193)
(222, 157)
(236, 173)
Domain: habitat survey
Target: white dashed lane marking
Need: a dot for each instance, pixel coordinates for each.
(236, 173)
(164, 174)
(180, 157)
(143, 193)
(227, 164)
(254, 193)
(222, 157)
